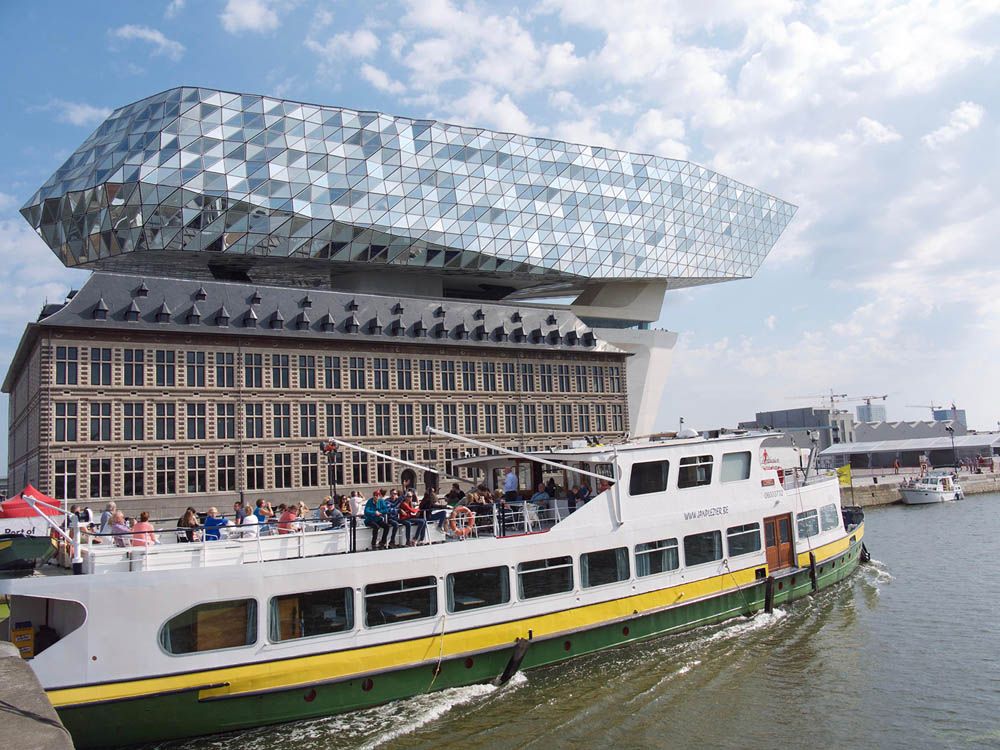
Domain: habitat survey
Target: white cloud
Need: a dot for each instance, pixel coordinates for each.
(7, 201)
(258, 16)
(872, 131)
(174, 7)
(483, 106)
(380, 80)
(358, 43)
(770, 321)
(77, 113)
(160, 44)
(657, 133)
(965, 117)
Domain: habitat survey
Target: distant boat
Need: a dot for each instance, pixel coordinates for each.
(936, 487)
(25, 536)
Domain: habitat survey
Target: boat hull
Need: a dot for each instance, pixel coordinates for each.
(197, 711)
(21, 554)
(927, 497)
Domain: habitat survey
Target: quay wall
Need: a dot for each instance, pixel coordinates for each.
(886, 491)
(30, 723)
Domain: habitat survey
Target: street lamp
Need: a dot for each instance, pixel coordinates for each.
(954, 455)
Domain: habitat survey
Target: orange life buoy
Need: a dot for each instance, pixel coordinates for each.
(458, 526)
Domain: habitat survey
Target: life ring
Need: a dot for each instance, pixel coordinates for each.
(458, 526)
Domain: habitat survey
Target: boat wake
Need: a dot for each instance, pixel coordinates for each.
(739, 629)
(875, 574)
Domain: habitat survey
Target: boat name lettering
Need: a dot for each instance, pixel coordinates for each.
(719, 510)
(773, 493)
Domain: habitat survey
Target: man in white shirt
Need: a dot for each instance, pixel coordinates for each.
(510, 485)
(250, 527)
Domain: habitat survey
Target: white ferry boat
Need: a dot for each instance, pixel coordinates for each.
(177, 640)
(936, 487)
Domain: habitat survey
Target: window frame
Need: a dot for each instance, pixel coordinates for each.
(695, 462)
(253, 616)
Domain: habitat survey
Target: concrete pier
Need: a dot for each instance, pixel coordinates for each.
(885, 491)
(30, 722)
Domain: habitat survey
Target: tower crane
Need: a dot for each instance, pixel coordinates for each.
(831, 396)
(932, 406)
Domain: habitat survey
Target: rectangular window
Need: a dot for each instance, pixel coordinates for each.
(404, 374)
(510, 419)
(253, 370)
(562, 373)
(380, 373)
(356, 369)
(530, 418)
(254, 421)
(225, 370)
(255, 471)
(280, 374)
(491, 419)
(598, 377)
(545, 577)
(382, 421)
(447, 376)
(450, 455)
(359, 467)
(100, 420)
(566, 417)
(648, 477)
(308, 421)
(509, 376)
(225, 472)
(195, 369)
(100, 367)
(527, 377)
(65, 480)
(601, 418)
(197, 474)
(210, 627)
(545, 376)
(334, 420)
(694, 471)
(656, 557)
(166, 475)
(307, 371)
(331, 372)
(742, 540)
(450, 417)
(829, 517)
(335, 469)
(617, 418)
(311, 613)
(615, 379)
(427, 375)
(133, 477)
(383, 468)
(282, 470)
(702, 548)
(468, 376)
(66, 421)
(406, 419)
(67, 369)
(473, 589)
(225, 421)
(359, 420)
(133, 370)
(583, 418)
(735, 467)
(427, 416)
(808, 523)
(196, 422)
(603, 567)
(471, 415)
(133, 421)
(490, 377)
(166, 368)
(400, 601)
(581, 379)
(310, 469)
(100, 477)
(282, 420)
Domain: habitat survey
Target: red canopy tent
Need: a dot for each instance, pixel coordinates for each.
(18, 507)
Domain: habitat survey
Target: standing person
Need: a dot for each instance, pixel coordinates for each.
(212, 525)
(572, 498)
(510, 485)
(895, 466)
(550, 488)
(142, 532)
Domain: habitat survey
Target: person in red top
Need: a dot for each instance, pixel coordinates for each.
(142, 532)
(286, 521)
(410, 515)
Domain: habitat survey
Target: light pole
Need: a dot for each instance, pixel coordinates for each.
(954, 455)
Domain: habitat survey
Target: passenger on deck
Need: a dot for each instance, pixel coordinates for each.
(391, 513)
(212, 525)
(107, 518)
(432, 509)
(409, 514)
(332, 514)
(603, 486)
(375, 520)
(250, 528)
(541, 497)
(583, 496)
(510, 486)
(573, 498)
(142, 532)
(286, 521)
(550, 488)
(357, 502)
(455, 494)
(480, 504)
(239, 512)
(264, 514)
(187, 527)
(120, 528)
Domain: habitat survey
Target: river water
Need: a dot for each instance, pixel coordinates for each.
(904, 655)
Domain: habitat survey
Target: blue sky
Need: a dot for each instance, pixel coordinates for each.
(878, 119)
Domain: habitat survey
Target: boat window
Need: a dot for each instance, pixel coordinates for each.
(656, 557)
(400, 601)
(808, 524)
(648, 477)
(472, 589)
(702, 548)
(210, 627)
(742, 540)
(311, 613)
(545, 577)
(695, 471)
(605, 566)
(829, 517)
(735, 466)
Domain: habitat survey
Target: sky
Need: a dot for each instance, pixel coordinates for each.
(879, 120)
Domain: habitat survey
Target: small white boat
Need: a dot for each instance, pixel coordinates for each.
(936, 487)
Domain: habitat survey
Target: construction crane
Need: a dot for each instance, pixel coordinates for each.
(867, 399)
(831, 396)
(932, 406)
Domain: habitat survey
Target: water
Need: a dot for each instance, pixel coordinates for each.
(905, 655)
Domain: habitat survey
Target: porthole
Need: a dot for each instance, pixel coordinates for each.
(367, 684)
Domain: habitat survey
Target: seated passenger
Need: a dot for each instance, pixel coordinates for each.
(250, 528)
(375, 520)
(432, 509)
(573, 498)
(142, 532)
(541, 497)
(286, 519)
(120, 529)
(212, 525)
(455, 494)
(410, 516)
(188, 525)
(583, 496)
(333, 515)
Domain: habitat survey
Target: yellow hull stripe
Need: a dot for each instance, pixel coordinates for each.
(305, 670)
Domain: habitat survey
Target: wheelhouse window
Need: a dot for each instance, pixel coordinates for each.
(735, 467)
(829, 517)
(311, 613)
(702, 548)
(400, 601)
(211, 627)
(473, 589)
(807, 523)
(648, 477)
(545, 577)
(660, 556)
(695, 471)
(603, 567)
(742, 540)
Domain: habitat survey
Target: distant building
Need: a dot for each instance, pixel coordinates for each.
(952, 414)
(871, 412)
(829, 427)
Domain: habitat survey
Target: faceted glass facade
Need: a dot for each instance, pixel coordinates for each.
(210, 173)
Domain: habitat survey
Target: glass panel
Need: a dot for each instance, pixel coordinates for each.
(605, 566)
(735, 466)
(648, 477)
(656, 557)
(743, 540)
(829, 517)
(545, 577)
(702, 548)
(400, 601)
(808, 524)
(311, 613)
(472, 589)
(210, 627)
(695, 471)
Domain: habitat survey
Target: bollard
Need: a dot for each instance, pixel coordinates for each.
(769, 595)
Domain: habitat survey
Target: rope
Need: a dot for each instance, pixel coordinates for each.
(725, 564)
(437, 667)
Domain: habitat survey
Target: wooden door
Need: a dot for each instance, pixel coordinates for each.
(778, 542)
